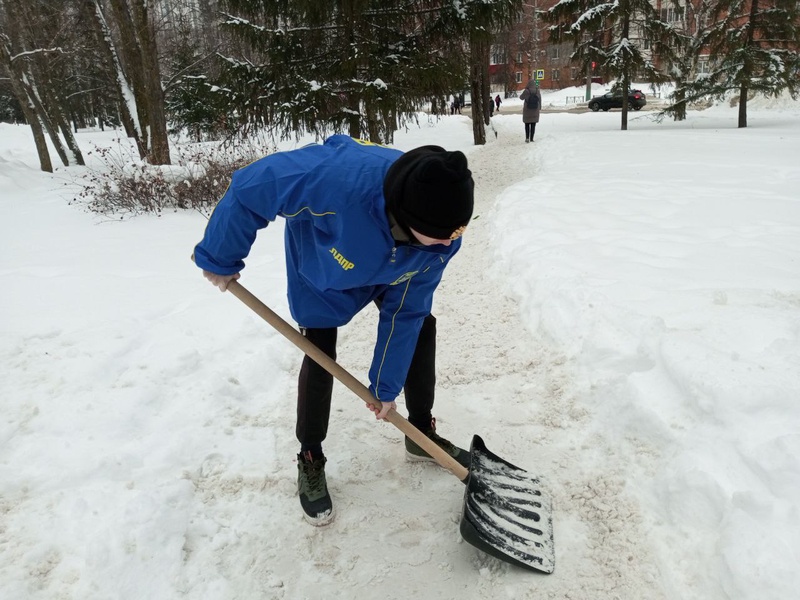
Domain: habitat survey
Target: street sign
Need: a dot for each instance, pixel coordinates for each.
(539, 74)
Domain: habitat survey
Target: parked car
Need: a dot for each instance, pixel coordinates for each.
(636, 100)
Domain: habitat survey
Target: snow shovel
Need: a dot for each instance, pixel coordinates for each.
(505, 513)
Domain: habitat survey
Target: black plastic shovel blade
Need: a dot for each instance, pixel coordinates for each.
(505, 513)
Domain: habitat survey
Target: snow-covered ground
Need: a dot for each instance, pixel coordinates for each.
(623, 320)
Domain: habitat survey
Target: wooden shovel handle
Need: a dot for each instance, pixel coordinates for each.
(335, 369)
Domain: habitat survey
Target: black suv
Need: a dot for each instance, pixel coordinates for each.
(636, 100)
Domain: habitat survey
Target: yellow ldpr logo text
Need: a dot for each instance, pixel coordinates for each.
(346, 264)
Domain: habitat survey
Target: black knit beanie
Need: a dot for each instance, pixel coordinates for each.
(430, 190)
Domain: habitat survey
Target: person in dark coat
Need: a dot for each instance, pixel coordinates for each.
(497, 101)
(531, 105)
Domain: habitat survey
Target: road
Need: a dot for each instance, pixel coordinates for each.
(516, 109)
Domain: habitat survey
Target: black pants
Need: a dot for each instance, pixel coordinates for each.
(530, 129)
(315, 384)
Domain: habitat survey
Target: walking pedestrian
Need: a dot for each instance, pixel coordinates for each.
(531, 105)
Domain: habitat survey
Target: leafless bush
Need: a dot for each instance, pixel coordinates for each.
(123, 186)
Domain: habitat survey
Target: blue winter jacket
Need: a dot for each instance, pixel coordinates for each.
(340, 254)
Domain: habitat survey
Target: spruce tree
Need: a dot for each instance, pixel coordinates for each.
(614, 36)
(754, 48)
(481, 21)
(359, 66)
(684, 65)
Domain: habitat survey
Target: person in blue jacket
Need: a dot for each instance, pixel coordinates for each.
(364, 224)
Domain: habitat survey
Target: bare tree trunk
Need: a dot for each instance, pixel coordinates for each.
(626, 82)
(477, 76)
(354, 120)
(748, 66)
(625, 87)
(680, 105)
(126, 100)
(19, 67)
(30, 115)
(390, 125)
(61, 122)
(41, 144)
(38, 139)
(157, 119)
(373, 125)
(72, 143)
(350, 65)
(33, 100)
(743, 91)
(131, 59)
(486, 91)
(44, 119)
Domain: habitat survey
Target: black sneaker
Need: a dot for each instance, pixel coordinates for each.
(416, 454)
(313, 490)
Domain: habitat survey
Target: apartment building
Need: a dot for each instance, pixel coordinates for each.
(525, 52)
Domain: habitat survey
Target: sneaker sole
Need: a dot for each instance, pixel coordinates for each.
(321, 519)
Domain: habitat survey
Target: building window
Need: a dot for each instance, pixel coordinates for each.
(520, 37)
(554, 52)
(670, 15)
(519, 58)
(556, 74)
(702, 66)
(573, 73)
(498, 55)
(518, 76)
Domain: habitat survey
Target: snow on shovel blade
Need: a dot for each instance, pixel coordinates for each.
(505, 513)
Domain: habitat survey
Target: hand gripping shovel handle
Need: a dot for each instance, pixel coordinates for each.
(335, 369)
